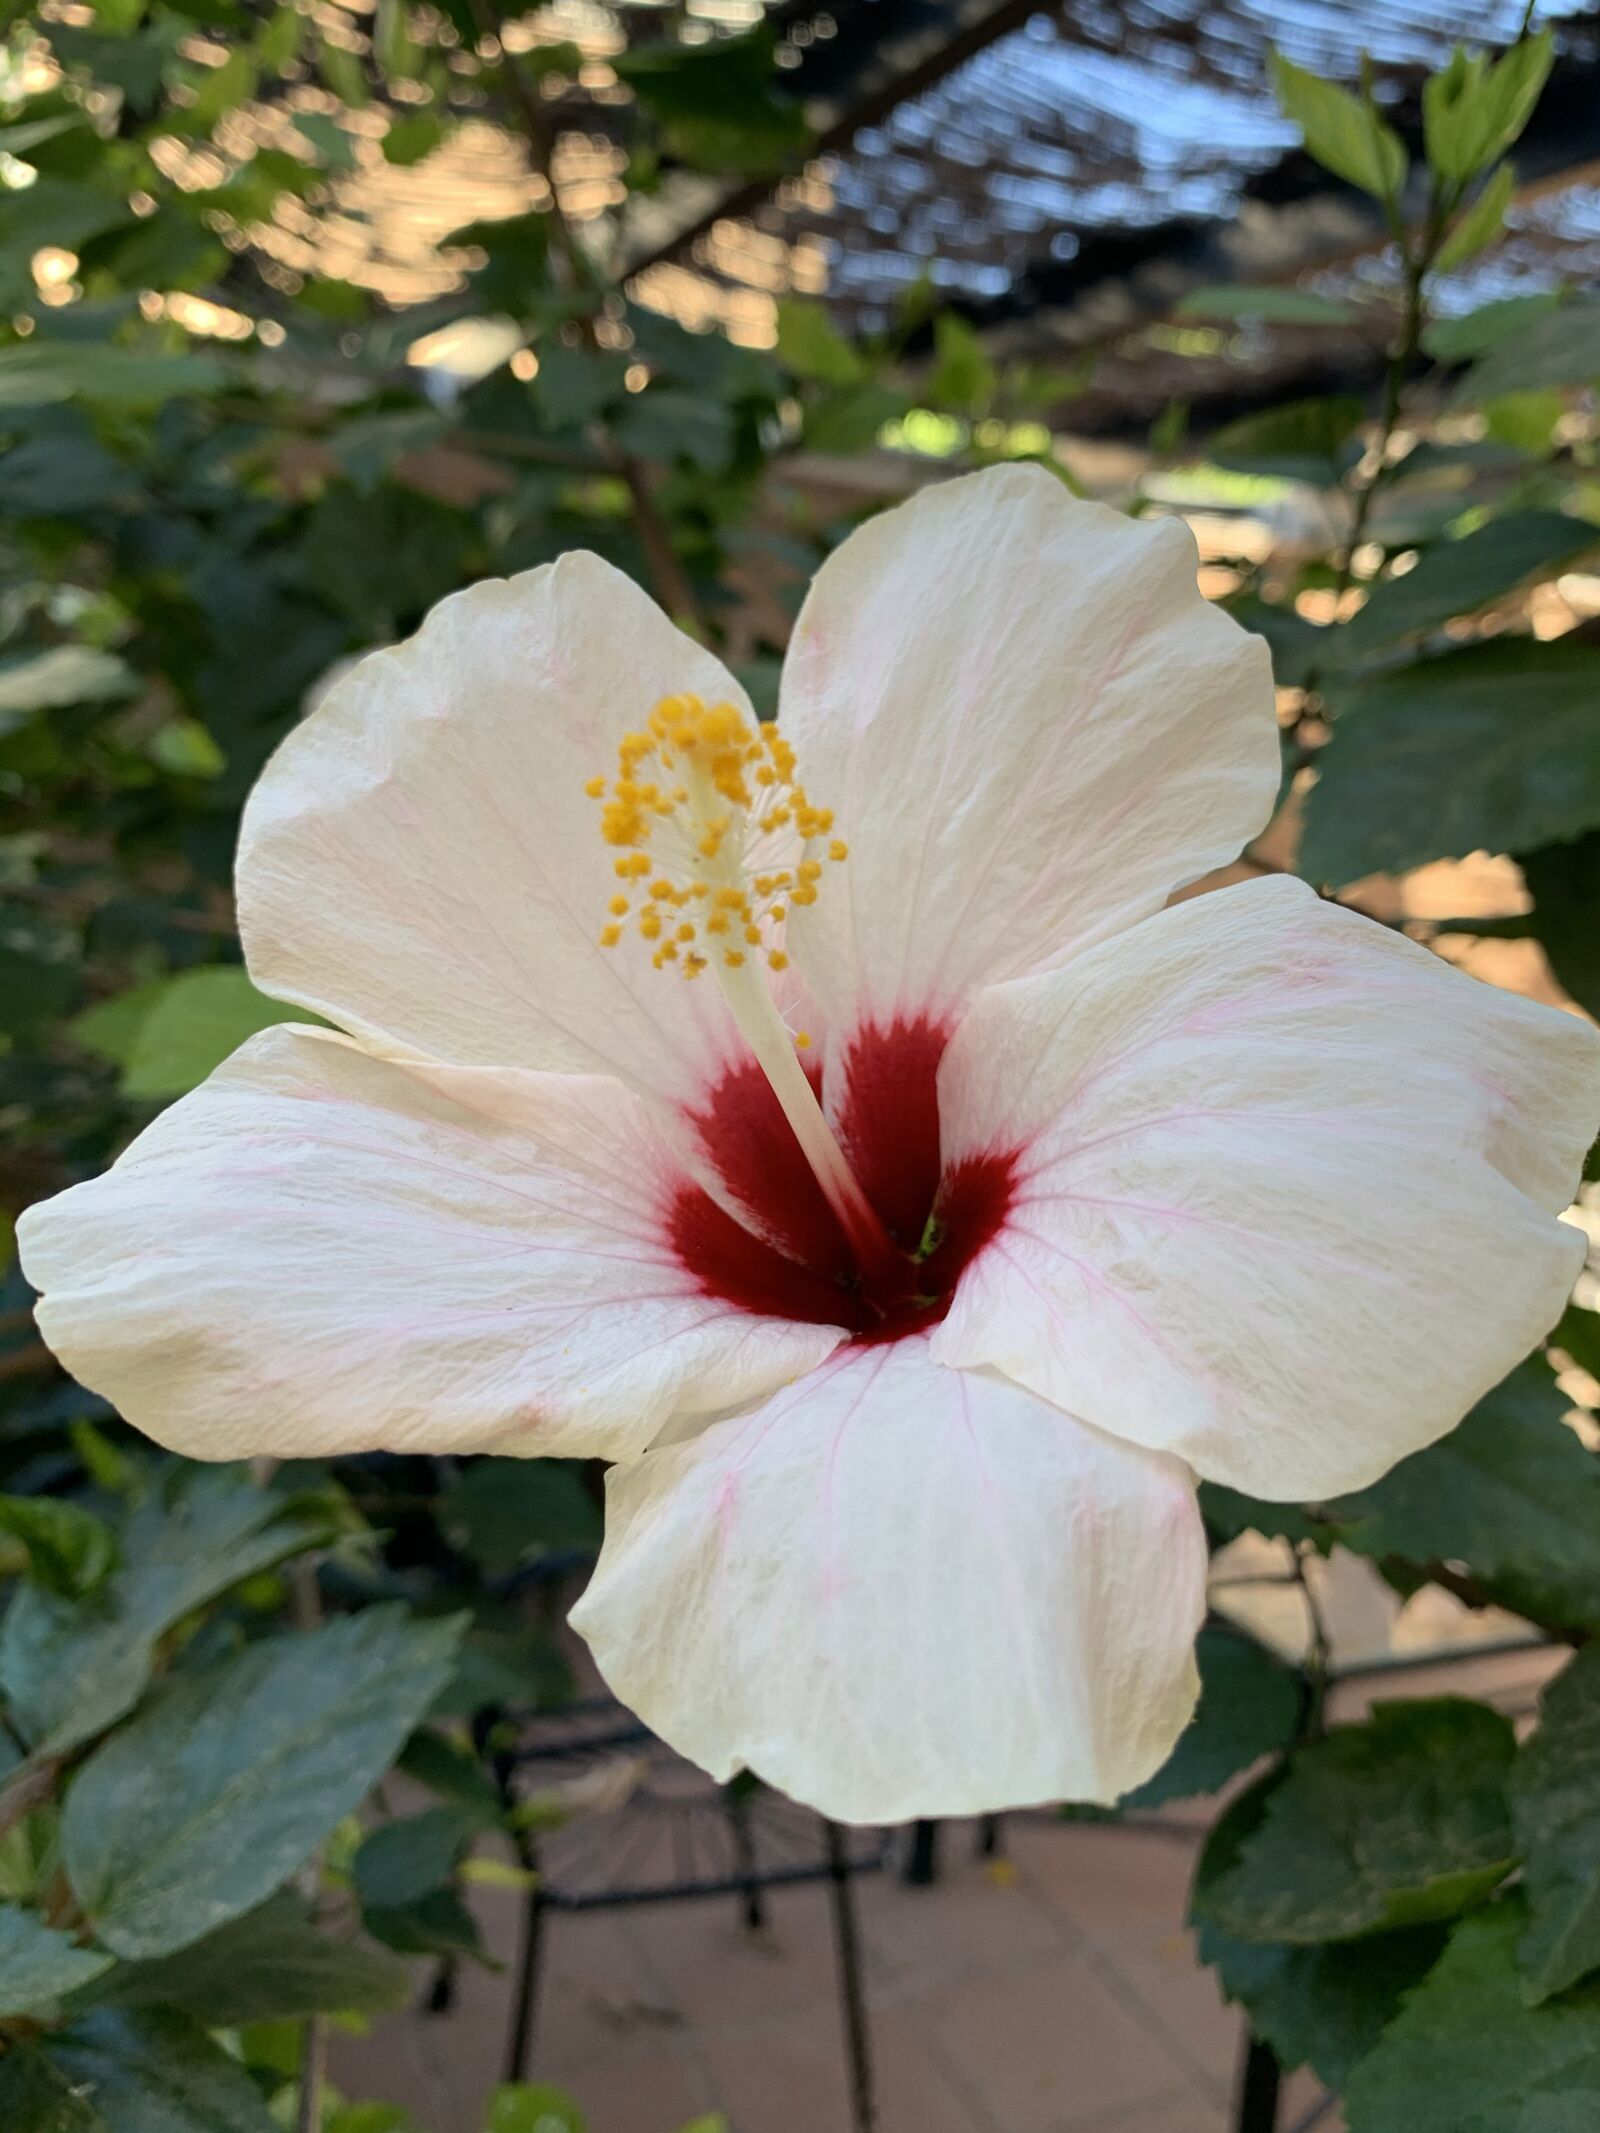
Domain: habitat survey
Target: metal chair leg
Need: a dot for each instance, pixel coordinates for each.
(753, 1902)
(922, 1862)
(1260, 2079)
(524, 2010)
(852, 1991)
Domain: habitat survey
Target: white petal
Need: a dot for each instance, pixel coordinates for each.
(1030, 727)
(419, 861)
(316, 1253)
(896, 1590)
(1287, 1187)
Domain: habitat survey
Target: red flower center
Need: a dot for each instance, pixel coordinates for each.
(789, 1257)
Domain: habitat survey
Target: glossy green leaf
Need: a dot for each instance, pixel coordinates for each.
(1495, 747)
(1322, 2007)
(38, 373)
(69, 1669)
(38, 1964)
(225, 1780)
(1397, 1822)
(154, 2073)
(1555, 1800)
(274, 1964)
(1343, 131)
(187, 1025)
(69, 1550)
(1456, 578)
(1466, 2054)
(508, 1511)
(400, 1862)
(1511, 1493)
(1249, 1706)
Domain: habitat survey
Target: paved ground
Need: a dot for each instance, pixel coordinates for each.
(1055, 1992)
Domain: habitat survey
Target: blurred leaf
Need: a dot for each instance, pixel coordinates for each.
(335, 147)
(1343, 132)
(454, 1773)
(1495, 747)
(52, 211)
(1301, 440)
(1475, 109)
(513, 275)
(1249, 1707)
(1228, 1514)
(224, 1781)
(812, 346)
(1399, 1821)
(1458, 577)
(70, 1669)
(962, 379)
(385, 558)
(38, 2097)
(169, 1035)
(438, 1923)
(1564, 882)
(717, 103)
(1275, 306)
(65, 674)
(849, 420)
(411, 138)
(37, 373)
(1465, 2054)
(664, 422)
(1511, 1492)
(400, 1862)
(1482, 222)
(273, 1964)
(1524, 420)
(1555, 1800)
(506, 1511)
(70, 1551)
(1474, 333)
(149, 2073)
(1561, 348)
(1322, 2007)
(39, 1964)
(521, 2107)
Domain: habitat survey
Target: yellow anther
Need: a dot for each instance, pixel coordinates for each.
(733, 958)
(838, 849)
(596, 788)
(752, 936)
(686, 933)
(609, 936)
(650, 925)
(717, 923)
(809, 870)
(777, 960)
(776, 911)
(802, 1038)
(618, 907)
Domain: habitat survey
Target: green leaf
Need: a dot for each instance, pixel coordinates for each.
(454, 1773)
(522, 2107)
(1564, 882)
(812, 346)
(411, 138)
(167, 1036)
(1473, 111)
(1467, 2055)
(274, 1964)
(1474, 333)
(667, 422)
(386, 557)
(1274, 306)
(849, 420)
(54, 211)
(1249, 1707)
(1344, 132)
(38, 373)
(508, 1511)
(1228, 1514)
(1482, 222)
(1456, 578)
(38, 2097)
(716, 103)
(1322, 2007)
(1511, 1492)
(39, 1964)
(70, 1669)
(69, 1550)
(1303, 440)
(153, 2073)
(224, 1782)
(1561, 348)
(1555, 1803)
(65, 674)
(333, 143)
(1397, 1822)
(400, 1862)
(962, 379)
(1495, 747)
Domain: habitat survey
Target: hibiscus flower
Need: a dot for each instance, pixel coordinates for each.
(835, 1127)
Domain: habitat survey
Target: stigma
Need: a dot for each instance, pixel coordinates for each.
(716, 840)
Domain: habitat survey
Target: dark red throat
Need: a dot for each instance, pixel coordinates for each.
(789, 1258)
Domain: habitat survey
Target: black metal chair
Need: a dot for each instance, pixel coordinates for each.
(668, 1835)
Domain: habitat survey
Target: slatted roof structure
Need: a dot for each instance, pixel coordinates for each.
(1067, 173)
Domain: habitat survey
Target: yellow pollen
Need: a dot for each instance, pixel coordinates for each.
(802, 1038)
(693, 786)
(777, 960)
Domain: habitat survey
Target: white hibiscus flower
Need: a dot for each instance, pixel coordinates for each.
(912, 1260)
